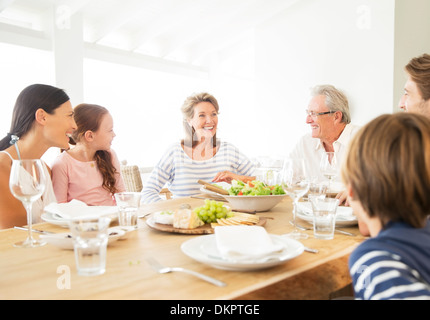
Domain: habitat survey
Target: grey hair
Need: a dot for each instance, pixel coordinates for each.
(334, 99)
(189, 104)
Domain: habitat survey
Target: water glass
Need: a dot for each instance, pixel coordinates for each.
(324, 217)
(317, 190)
(90, 238)
(128, 204)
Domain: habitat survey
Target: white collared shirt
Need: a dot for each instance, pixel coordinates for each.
(312, 149)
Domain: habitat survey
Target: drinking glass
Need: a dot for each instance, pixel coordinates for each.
(90, 238)
(27, 183)
(317, 189)
(128, 204)
(295, 183)
(328, 166)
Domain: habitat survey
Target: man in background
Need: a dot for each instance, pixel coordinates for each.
(329, 118)
(416, 97)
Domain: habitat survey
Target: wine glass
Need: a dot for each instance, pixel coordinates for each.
(295, 183)
(27, 183)
(329, 167)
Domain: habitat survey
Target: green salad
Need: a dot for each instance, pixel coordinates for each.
(254, 188)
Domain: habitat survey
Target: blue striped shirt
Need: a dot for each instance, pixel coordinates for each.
(178, 172)
(393, 265)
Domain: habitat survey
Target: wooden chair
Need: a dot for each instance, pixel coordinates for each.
(132, 178)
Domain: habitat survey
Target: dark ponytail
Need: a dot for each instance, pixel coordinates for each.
(32, 98)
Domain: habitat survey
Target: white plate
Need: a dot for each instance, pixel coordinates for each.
(48, 217)
(204, 250)
(345, 217)
(65, 241)
(54, 219)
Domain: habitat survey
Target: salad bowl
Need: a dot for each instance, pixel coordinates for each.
(253, 204)
(254, 196)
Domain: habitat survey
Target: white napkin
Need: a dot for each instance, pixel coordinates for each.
(78, 209)
(245, 242)
(342, 212)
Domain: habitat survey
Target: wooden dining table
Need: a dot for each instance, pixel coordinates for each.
(49, 272)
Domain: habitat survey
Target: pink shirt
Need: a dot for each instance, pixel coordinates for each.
(74, 179)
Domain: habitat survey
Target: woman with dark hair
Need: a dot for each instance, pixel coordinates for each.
(90, 171)
(42, 118)
(200, 155)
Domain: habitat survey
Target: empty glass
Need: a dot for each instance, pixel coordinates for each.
(295, 183)
(329, 167)
(27, 183)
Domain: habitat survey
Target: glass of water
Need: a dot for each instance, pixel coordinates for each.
(128, 204)
(90, 238)
(324, 217)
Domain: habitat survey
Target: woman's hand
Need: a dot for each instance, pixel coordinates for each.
(228, 176)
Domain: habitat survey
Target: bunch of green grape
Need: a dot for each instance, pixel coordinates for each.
(212, 210)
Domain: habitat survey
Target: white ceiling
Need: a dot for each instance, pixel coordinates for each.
(185, 31)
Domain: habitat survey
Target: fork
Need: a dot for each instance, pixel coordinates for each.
(162, 269)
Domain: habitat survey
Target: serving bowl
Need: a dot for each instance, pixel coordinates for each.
(252, 204)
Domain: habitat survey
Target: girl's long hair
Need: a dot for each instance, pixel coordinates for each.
(88, 118)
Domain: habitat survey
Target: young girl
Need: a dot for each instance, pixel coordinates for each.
(90, 171)
(42, 118)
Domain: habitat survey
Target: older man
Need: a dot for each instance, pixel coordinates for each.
(331, 130)
(416, 97)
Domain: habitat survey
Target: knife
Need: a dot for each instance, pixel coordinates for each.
(34, 230)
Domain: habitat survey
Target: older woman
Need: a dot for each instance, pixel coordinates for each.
(387, 174)
(42, 118)
(199, 156)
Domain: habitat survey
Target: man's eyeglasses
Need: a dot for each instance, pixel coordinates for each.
(314, 114)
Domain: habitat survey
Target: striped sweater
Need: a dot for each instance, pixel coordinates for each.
(393, 265)
(178, 172)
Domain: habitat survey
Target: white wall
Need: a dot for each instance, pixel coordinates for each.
(360, 46)
(348, 44)
(19, 68)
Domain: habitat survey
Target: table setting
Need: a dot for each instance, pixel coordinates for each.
(345, 216)
(241, 248)
(225, 242)
(60, 213)
(196, 252)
